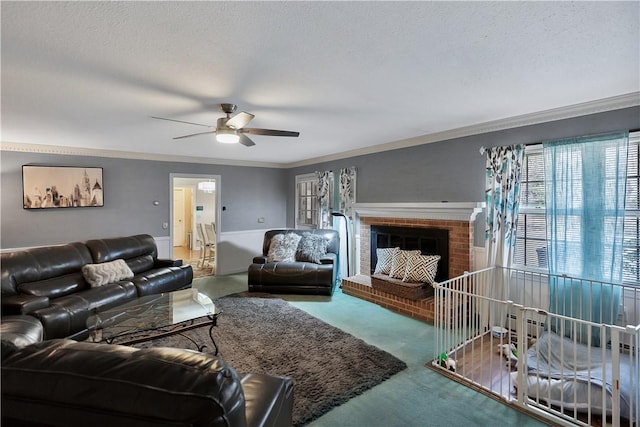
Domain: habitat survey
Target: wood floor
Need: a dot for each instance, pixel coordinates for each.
(192, 257)
(481, 362)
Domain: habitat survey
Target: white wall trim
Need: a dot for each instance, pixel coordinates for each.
(95, 152)
(567, 112)
(454, 211)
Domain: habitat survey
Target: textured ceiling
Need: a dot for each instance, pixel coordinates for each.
(346, 75)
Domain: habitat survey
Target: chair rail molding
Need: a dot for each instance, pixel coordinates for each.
(453, 211)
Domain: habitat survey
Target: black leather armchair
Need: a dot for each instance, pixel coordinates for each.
(298, 277)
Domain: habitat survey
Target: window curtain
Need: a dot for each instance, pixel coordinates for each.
(585, 202)
(346, 190)
(344, 193)
(502, 196)
(324, 182)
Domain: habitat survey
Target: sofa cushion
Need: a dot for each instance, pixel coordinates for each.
(121, 384)
(55, 287)
(421, 268)
(312, 248)
(141, 263)
(36, 264)
(104, 250)
(283, 247)
(106, 272)
(385, 257)
(399, 263)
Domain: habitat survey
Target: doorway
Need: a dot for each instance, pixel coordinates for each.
(195, 201)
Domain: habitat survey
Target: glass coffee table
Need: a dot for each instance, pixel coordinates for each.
(155, 316)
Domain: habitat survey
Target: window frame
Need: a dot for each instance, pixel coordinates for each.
(311, 179)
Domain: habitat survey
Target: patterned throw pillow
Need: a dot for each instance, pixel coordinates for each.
(399, 263)
(311, 248)
(106, 272)
(283, 247)
(385, 256)
(421, 268)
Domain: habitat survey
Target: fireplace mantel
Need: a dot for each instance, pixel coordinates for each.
(455, 211)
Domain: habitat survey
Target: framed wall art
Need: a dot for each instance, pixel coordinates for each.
(55, 187)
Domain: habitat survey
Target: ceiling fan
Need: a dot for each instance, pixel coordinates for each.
(232, 129)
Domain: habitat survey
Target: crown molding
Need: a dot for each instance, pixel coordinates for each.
(94, 152)
(571, 111)
(568, 112)
(454, 211)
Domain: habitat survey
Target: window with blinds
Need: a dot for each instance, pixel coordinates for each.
(306, 201)
(531, 246)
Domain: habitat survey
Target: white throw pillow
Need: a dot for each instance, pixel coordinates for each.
(385, 256)
(283, 247)
(106, 272)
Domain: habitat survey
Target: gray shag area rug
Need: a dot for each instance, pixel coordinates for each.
(268, 335)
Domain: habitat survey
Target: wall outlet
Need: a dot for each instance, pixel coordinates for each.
(260, 219)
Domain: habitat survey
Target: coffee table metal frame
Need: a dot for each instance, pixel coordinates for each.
(155, 316)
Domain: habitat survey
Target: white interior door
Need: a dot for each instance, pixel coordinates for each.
(178, 217)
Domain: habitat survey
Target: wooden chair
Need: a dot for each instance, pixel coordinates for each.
(210, 238)
(206, 254)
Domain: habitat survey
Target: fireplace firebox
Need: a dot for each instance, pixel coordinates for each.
(430, 241)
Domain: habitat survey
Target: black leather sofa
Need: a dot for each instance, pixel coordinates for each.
(48, 284)
(68, 383)
(299, 277)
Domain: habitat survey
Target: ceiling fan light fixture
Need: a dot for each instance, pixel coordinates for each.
(227, 136)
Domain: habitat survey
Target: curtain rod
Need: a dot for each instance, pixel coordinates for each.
(483, 149)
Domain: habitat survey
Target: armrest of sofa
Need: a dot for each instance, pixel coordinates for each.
(166, 262)
(328, 258)
(260, 259)
(268, 400)
(23, 304)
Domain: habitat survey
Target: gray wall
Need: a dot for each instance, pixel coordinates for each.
(130, 187)
(453, 170)
(449, 170)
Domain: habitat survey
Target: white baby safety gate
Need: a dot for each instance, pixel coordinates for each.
(507, 332)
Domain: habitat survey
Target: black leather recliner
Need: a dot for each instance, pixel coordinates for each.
(298, 277)
(68, 383)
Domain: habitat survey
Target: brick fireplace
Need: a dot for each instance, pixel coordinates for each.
(457, 218)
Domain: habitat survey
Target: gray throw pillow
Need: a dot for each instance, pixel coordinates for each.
(283, 247)
(311, 248)
(106, 272)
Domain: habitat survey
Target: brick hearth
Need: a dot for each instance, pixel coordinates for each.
(460, 260)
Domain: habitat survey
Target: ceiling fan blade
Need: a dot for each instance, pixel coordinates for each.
(240, 120)
(269, 132)
(245, 140)
(194, 134)
(180, 121)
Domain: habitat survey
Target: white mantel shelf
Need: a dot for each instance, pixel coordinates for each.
(453, 211)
